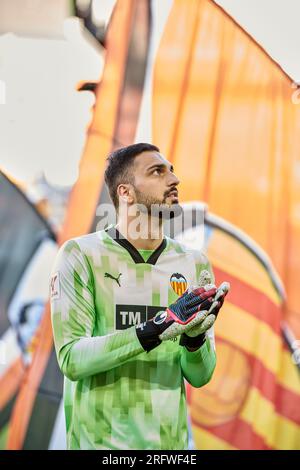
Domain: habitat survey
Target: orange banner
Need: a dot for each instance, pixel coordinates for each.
(226, 115)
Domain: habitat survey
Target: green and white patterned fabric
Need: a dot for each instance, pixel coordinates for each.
(116, 395)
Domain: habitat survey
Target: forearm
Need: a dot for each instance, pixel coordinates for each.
(198, 366)
(92, 355)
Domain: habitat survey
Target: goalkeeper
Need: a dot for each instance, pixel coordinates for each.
(128, 324)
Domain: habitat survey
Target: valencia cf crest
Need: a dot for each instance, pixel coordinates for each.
(178, 283)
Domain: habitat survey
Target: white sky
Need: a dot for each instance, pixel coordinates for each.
(43, 120)
(275, 26)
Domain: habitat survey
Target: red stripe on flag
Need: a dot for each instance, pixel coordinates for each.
(251, 300)
(256, 303)
(237, 433)
(285, 401)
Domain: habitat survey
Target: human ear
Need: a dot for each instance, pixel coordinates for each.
(125, 193)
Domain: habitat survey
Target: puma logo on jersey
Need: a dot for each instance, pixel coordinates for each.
(114, 278)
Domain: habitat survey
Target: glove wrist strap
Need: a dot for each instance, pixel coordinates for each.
(147, 334)
(192, 341)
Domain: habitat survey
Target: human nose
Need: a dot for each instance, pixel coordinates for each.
(173, 181)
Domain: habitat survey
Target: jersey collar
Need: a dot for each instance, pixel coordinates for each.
(114, 233)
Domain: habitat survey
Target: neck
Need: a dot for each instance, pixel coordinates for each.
(144, 233)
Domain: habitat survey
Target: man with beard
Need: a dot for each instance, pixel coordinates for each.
(128, 325)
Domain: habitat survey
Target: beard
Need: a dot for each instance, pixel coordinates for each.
(156, 208)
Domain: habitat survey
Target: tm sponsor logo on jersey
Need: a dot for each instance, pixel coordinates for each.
(131, 315)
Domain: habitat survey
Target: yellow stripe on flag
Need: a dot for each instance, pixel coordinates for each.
(257, 338)
(255, 275)
(289, 374)
(278, 431)
(207, 441)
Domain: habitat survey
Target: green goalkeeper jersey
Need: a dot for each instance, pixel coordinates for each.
(116, 395)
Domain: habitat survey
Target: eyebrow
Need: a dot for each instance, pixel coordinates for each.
(160, 165)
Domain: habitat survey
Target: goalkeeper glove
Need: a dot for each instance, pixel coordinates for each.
(195, 337)
(188, 311)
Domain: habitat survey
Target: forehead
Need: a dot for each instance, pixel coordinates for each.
(148, 159)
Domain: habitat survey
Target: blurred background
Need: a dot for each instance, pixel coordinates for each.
(215, 85)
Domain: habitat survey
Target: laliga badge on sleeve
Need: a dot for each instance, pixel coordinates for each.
(55, 286)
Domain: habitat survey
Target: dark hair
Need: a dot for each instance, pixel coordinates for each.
(119, 164)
